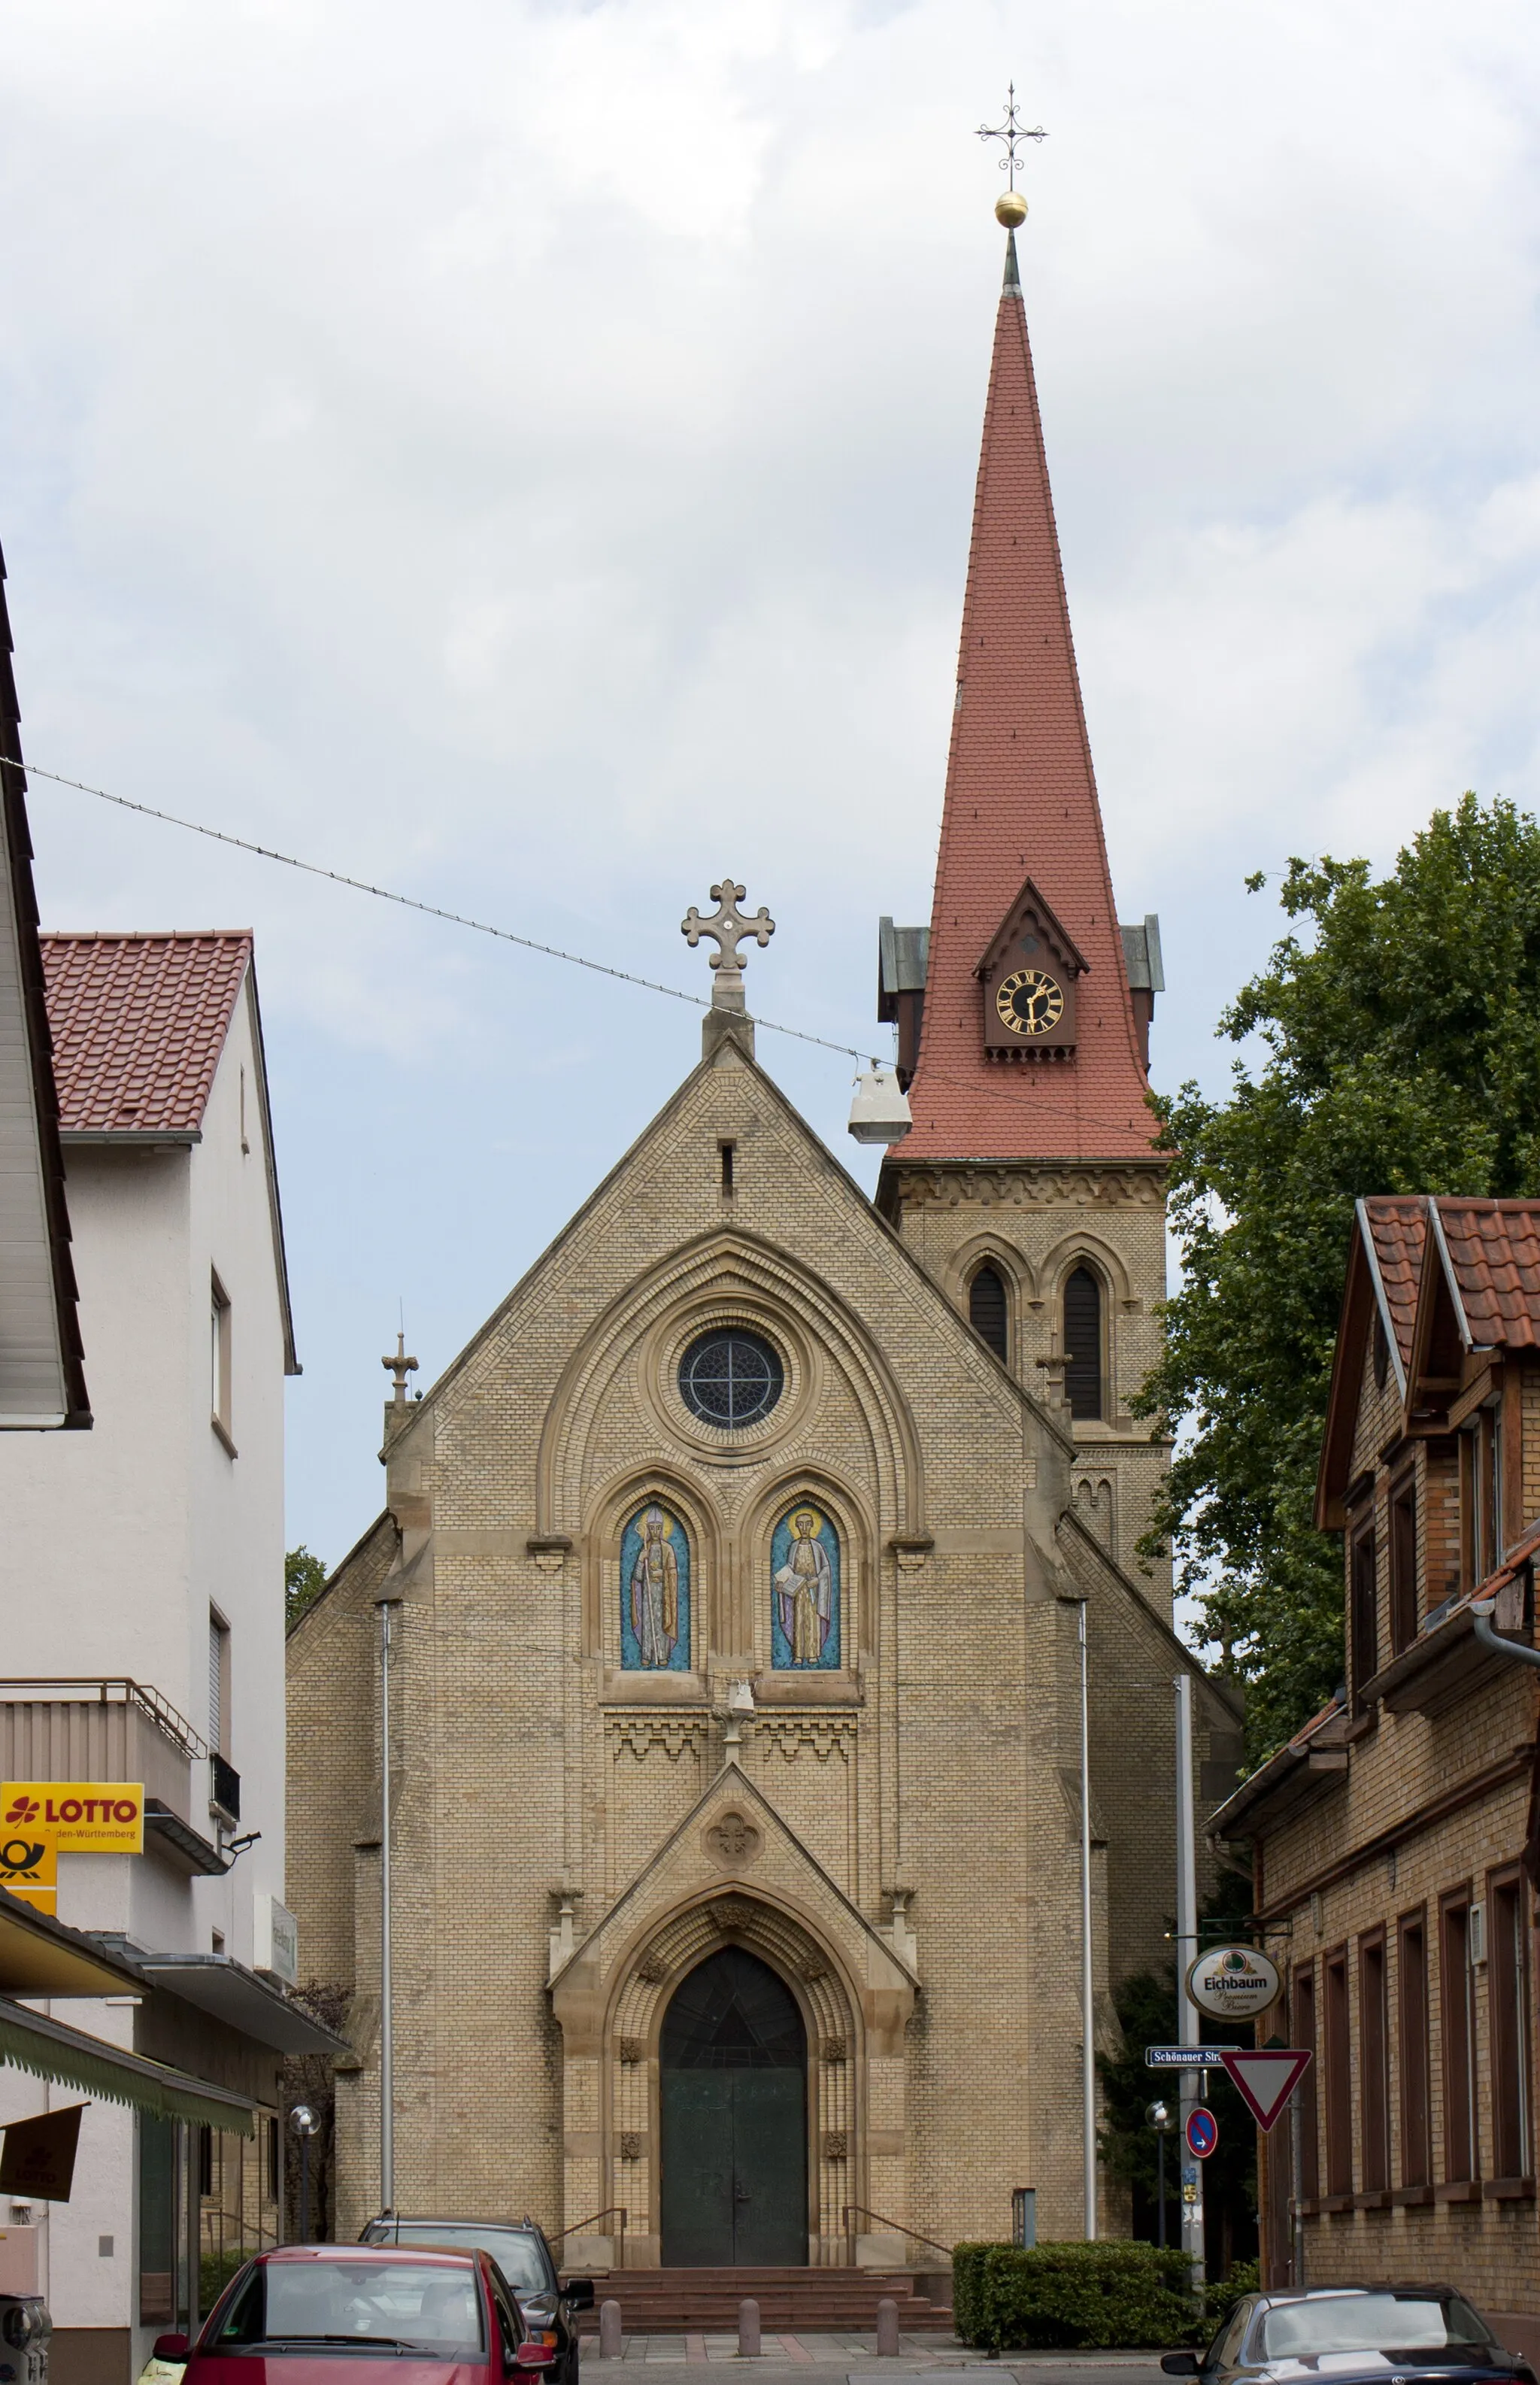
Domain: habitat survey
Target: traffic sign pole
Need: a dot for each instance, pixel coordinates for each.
(1189, 2027)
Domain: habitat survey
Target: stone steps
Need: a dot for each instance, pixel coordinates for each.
(798, 2301)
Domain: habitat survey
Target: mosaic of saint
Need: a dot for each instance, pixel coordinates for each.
(654, 1592)
(804, 1591)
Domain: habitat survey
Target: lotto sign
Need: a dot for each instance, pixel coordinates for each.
(98, 1818)
(1201, 2133)
(30, 1867)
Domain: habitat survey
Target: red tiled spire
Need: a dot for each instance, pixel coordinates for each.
(1021, 803)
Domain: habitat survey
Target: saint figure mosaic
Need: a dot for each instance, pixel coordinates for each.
(804, 1591)
(654, 1592)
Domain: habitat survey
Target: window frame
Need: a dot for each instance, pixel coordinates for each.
(220, 1361)
(1085, 1267)
(1363, 1560)
(1457, 2039)
(990, 1266)
(1304, 2034)
(219, 1683)
(1414, 2048)
(1403, 1538)
(1509, 2094)
(1373, 2060)
(1338, 2064)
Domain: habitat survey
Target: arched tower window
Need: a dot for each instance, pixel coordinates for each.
(986, 1311)
(1082, 1344)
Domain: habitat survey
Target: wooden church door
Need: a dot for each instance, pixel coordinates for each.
(734, 2119)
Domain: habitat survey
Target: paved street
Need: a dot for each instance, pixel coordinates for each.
(673, 2359)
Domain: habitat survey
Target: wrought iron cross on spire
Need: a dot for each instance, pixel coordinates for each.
(727, 927)
(1013, 133)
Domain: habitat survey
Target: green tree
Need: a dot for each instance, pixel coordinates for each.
(304, 1580)
(1399, 1029)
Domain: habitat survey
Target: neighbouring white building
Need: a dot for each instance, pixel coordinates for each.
(145, 1642)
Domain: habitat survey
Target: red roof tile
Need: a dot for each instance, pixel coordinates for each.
(1397, 1228)
(1494, 1249)
(139, 1023)
(1021, 802)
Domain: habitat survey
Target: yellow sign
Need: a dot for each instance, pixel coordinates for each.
(98, 1818)
(30, 1866)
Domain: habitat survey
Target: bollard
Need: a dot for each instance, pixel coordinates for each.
(609, 2331)
(887, 2328)
(748, 2330)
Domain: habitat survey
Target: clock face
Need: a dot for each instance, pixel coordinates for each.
(1030, 1002)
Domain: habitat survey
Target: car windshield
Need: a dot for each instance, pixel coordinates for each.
(519, 2254)
(430, 2308)
(1387, 2322)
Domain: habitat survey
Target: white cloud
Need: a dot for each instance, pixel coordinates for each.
(525, 453)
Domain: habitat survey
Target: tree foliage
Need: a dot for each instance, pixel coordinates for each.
(304, 1580)
(1399, 1032)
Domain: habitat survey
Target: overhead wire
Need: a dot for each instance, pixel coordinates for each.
(414, 903)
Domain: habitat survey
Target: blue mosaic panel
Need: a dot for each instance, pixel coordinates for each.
(804, 1591)
(654, 1592)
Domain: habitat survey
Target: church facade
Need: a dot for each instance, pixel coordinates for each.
(737, 1571)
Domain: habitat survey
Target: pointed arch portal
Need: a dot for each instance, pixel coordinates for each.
(733, 2108)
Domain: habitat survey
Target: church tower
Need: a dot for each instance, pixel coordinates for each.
(1027, 1185)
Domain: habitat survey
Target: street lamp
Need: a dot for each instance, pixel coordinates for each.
(1162, 2119)
(303, 2120)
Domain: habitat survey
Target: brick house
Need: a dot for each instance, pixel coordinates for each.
(1393, 1840)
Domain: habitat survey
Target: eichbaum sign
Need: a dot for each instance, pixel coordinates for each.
(98, 1818)
(1233, 1982)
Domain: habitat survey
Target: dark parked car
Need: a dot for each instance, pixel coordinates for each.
(341, 2314)
(527, 2264)
(1354, 2335)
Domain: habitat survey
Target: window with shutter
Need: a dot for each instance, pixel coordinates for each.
(1082, 1344)
(986, 1311)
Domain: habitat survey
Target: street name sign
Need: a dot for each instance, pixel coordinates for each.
(1266, 2076)
(1181, 2057)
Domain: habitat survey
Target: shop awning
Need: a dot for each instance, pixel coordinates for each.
(50, 2048)
(242, 2001)
(40, 1957)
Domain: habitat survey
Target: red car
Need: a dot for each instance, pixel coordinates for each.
(361, 2315)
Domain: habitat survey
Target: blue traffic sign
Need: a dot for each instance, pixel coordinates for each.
(1180, 2057)
(1203, 2132)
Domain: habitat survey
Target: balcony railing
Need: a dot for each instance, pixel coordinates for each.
(65, 1728)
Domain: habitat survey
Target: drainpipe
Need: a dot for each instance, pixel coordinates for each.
(1481, 1612)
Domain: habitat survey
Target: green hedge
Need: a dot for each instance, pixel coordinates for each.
(1061, 2296)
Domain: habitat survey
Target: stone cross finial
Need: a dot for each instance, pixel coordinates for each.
(727, 927)
(398, 1368)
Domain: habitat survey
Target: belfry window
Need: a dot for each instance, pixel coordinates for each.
(1082, 1344)
(986, 1311)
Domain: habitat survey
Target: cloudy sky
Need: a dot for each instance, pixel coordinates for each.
(522, 452)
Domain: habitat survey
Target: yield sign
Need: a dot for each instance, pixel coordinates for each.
(1266, 2076)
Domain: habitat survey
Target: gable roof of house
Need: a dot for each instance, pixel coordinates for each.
(139, 1022)
(1476, 1261)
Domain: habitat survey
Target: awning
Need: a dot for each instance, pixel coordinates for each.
(242, 2000)
(50, 2049)
(40, 1957)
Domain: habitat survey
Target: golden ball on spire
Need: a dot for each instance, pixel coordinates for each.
(1011, 209)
